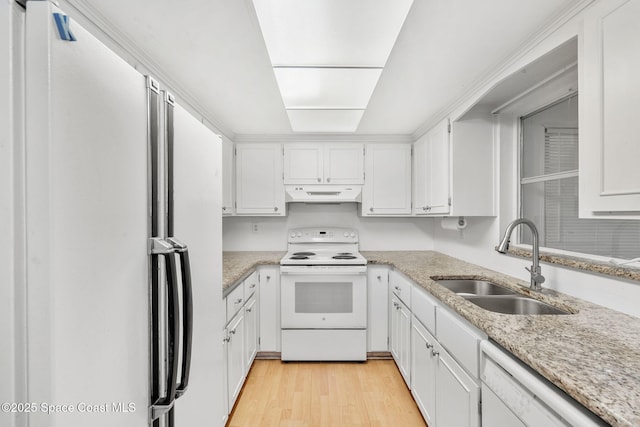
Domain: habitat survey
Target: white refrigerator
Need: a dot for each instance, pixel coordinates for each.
(114, 194)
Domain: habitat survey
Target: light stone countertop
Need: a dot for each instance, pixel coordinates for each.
(238, 265)
(593, 354)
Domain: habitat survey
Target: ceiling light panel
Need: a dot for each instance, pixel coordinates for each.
(321, 88)
(334, 121)
(331, 32)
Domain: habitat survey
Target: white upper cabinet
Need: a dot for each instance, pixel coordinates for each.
(228, 164)
(316, 163)
(609, 105)
(454, 169)
(387, 188)
(259, 187)
(432, 168)
(344, 163)
(303, 163)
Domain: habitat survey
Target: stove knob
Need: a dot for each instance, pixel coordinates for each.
(299, 234)
(293, 235)
(353, 234)
(346, 234)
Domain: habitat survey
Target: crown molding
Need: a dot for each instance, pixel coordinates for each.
(310, 137)
(484, 83)
(87, 14)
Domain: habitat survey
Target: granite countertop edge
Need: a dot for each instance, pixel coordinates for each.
(237, 265)
(593, 355)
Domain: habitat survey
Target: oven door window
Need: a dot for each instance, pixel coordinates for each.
(323, 297)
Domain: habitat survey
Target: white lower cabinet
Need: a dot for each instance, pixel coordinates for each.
(437, 353)
(235, 346)
(423, 368)
(269, 302)
(241, 335)
(458, 395)
(445, 394)
(377, 303)
(250, 332)
(400, 336)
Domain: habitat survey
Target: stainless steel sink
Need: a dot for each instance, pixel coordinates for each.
(466, 287)
(513, 304)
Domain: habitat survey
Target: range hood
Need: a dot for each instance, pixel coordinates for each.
(323, 193)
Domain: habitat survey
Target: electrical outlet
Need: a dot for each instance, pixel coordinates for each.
(254, 227)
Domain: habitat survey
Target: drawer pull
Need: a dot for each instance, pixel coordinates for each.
(238, 301)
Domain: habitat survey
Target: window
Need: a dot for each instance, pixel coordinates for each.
(549, 188)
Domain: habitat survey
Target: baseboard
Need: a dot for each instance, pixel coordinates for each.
(371, 355)
(268, 355)
(379, 355)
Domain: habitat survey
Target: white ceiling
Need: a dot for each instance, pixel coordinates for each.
(214, 53)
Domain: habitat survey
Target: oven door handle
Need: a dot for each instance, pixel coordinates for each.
(285, 272)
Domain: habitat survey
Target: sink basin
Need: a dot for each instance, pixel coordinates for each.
(466, 287)
(514, 304)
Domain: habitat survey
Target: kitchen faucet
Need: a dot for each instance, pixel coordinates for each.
(537, 279)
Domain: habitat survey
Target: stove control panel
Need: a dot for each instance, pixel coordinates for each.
(323, 235)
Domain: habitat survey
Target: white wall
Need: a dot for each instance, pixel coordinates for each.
(375, 233)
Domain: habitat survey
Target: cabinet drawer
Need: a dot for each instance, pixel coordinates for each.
(401, 287)
(235, 301)
(250, 285)
(461, 339)
(424, 308)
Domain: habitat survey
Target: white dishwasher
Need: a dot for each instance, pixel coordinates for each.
(514, 395)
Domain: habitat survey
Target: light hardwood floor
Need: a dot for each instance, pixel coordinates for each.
(322, 394)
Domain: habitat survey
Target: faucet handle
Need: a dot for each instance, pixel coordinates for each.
(536, 275)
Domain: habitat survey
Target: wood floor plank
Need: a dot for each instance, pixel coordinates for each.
(319, 394)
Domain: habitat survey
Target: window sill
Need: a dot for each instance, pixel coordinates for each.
(595, 266)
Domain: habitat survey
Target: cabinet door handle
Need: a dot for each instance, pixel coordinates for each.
(268, 277)
(429, 345)
(253, 285)
(434, 352)
(275, 209)
(249, 310)
(232, 332)
(238, 301)
(370, 209)
(319, 180)
(397, 288)
(226, 339)
(379, 277)
(328, 179)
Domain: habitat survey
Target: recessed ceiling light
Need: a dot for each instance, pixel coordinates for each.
(328, 56)
(331, 32)
(340, 121)
(322, 88)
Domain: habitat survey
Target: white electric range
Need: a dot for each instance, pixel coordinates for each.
(323, 296)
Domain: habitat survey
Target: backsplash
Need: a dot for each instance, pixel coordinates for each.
(385, 234)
